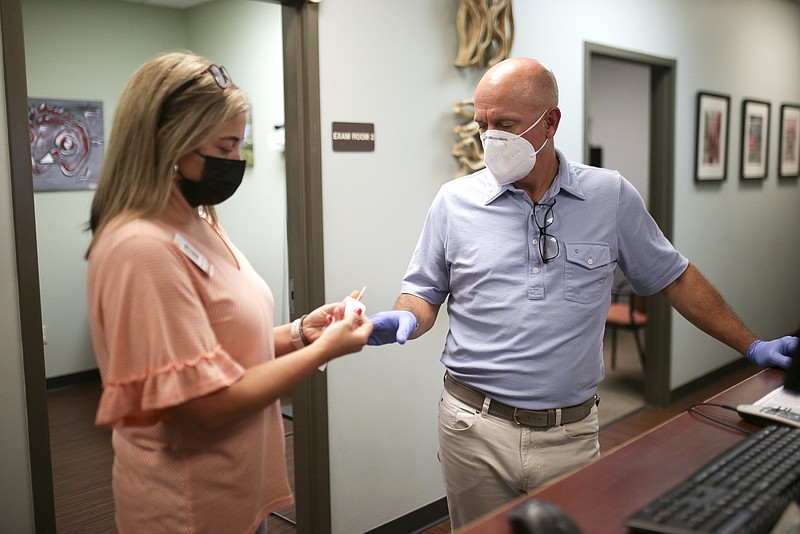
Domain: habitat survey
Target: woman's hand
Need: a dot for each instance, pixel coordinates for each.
(345, 335)
(338, 333)
(316, 321)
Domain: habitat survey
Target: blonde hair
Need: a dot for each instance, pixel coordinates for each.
(168, 108)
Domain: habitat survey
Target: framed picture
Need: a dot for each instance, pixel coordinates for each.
(789, 146)
(66, 143)
(755, 139)
(711, 147)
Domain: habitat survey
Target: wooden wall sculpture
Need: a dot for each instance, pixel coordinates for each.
(468, 150)
(485, 32)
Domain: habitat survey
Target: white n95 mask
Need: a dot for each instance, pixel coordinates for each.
(509, 157)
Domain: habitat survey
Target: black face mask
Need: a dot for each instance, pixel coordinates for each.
(219, 181)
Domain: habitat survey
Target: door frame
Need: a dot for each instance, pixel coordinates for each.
(658, 342)
(27, 263)
(306, 255)
(305, 249)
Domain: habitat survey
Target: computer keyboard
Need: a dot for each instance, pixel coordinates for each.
(744, 489)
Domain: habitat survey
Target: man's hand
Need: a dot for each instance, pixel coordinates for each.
(391, 326)
(775, 353)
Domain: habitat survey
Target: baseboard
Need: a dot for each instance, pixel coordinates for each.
(705, 380)
(73, 379)
(419, 520)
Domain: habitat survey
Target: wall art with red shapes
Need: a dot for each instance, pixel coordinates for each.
(66, 143)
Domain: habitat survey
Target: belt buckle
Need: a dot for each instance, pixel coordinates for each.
(514, 417)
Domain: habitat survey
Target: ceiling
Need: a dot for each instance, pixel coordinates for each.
(175, 4)
(185, 4)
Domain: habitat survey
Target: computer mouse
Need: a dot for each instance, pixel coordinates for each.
(540, 517)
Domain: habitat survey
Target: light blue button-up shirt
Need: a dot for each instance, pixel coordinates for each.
(525, 332)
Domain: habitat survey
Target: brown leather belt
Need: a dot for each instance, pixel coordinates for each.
(530, 418)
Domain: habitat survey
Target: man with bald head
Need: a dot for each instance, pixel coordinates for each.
(524, 253)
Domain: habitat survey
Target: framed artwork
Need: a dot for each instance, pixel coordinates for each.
(66, 143)
(755, 139)
(789, 146)
(711, 144)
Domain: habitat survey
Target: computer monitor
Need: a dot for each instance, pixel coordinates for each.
(792, 381)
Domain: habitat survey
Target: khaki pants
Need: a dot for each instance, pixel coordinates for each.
(488, 461)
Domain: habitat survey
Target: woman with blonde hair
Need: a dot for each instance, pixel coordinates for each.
(182, 325)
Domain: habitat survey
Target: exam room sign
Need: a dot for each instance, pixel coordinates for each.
(353, 137)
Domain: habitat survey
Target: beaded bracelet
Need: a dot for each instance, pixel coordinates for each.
(298, 338)
(303, 337)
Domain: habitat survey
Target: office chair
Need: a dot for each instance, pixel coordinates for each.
(628, 311)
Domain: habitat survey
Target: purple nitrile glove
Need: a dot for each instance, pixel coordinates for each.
(391, 326)
(775, 353)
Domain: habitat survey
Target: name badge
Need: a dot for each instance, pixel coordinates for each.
(193, 254)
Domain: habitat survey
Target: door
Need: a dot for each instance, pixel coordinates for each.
(304, 257)
(657, 167)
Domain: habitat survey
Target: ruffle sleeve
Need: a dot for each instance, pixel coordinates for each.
(140, 401)
(154, 340)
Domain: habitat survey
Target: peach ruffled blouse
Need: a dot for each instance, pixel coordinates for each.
(166, 330)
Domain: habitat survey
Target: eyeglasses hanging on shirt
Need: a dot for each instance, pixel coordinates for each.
(543, 217)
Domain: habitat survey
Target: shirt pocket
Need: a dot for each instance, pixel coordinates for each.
(588, 271)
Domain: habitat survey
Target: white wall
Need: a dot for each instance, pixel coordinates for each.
(16, 501)
(390, 63)
(391, 67)
(244, 35)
